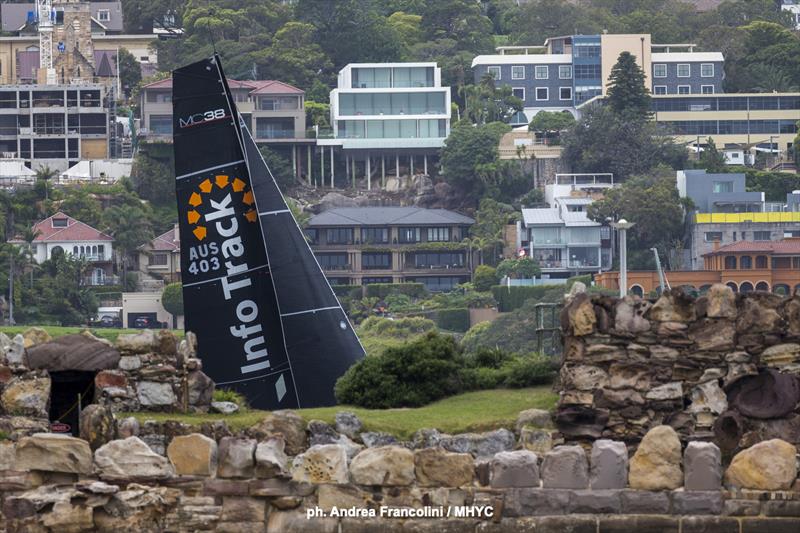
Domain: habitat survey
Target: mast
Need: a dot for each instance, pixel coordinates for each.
(267, 322)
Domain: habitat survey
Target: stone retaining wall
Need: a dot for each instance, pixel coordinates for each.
(724, 367)
(274, 475)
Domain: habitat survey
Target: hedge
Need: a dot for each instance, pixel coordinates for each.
(453, 319)
(350, 291)
(382, 290)
(510, 298)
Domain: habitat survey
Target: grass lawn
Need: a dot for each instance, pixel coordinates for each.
(57, 331)
(472, 411)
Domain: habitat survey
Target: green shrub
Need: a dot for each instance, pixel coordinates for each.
(510, 298)
(485, 277)
(514, 331)
(382, 290)
(401, 327)
(526, 371)
(453, 319)
(408, 376)
(489, 357)
(479, 378)
(229, 395)
(347, 291)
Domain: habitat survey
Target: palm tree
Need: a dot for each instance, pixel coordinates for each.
(130, 228)
(45, 174)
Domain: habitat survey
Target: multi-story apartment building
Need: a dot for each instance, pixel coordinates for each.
(54, 125)
(562, 239)
(273, 111)
(568, 71)
(387, 115)
(726, 213)
(362, 245)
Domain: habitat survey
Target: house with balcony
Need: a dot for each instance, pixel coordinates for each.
(62, 234)
(563, 240)
(725, 213)
(388, 119)
(161, 257)
(363, 245)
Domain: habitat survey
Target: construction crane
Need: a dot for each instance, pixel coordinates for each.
(45, 16)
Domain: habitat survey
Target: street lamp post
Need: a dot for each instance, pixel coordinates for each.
(622, 227)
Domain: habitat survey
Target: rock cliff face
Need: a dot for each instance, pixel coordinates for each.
(723, 367)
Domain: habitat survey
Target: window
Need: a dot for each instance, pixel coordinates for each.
(707, 70)
(761, 261)
(332, 261)
(660, 70)
(60, 222)
(340, 236)
(541, 72)
(660, 89)
(161, 124)
(494, 71)
(730, 262)
(519, 92)
(723, 186)
(439, 284)
(312, 235)
(518, 72)
(439, 260)
(374, 235)
(565, 93)
(761, 235)
(712, 236)
(103, 15)
(707, 89)
(542, 93)
(376, 261)
(684, 89)
(158, 260)
(788, 234)
(370, 281)
(587, 72)
(408, 235)
(438, 234)
(746, 262)
(565, 72)
(684, 70)
(605, 232)
(583, 50)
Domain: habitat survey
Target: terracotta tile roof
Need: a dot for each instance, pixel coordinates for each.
(255, 86)
(74, 231)
(166, 242)
(786, 246)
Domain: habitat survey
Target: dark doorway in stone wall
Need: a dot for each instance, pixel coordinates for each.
(66, 385)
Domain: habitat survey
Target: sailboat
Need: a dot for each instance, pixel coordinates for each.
(268, 324)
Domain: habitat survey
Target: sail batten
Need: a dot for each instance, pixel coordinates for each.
(267, 321)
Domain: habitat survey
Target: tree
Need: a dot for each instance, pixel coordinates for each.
(652, 202)
(522, 268)
(81, 205)
(627, 94)
(279, 167)
(172, 300)
(139, 15)
(130, 71)
(485, 102)
(407, 27)
(130, 228)
(551, 123)
(294, 57)
(712, 159)
(459, 20)
(488, 232)
(44, 174)
(318, 114)
(484, 278)
(154, 177)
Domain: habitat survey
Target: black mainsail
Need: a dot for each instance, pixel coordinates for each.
(267, 322)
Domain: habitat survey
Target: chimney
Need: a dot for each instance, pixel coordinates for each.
(716, 245)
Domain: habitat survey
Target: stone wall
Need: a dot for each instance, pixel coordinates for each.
(723, 368)
(284, 475)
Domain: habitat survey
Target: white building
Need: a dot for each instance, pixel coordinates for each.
(792, 7)
(387, 118)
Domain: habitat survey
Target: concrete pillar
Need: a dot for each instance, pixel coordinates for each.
(353, 171)
(425, 160)
(332, 167)
(411, 166)
(369, 172)
(397, 165)
(294, 162)
(308, 152)
(383, 171)
(322, 166)
(346, 166)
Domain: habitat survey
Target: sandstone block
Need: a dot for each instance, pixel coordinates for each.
(708, 397)
(539, 418)
(608, 465)
(153, 393)
(539, 441)
(236, 457)
(644, 502)
(594, 501)
(141, 342)
(97, 425)
(769, 465)
(238, 509)
(721, 302)
(437, 467)
(697, 502)
(130, 458)
(287, 423)
(668, 391)
(224, 408)
(26, 397)
(514, 469)
(386, 465)
(326, 463)
(702, 466)
(55, 453)
(8, 455)
(193, 455)
(656, 465)
(375, 439)
(480, 444)
(35, 336)
(271, 460)
(565, 467)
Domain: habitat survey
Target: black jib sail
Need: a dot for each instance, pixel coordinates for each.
(267, 322)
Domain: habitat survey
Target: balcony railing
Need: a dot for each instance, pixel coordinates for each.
(275, 134)
(412, 266)
(337, 268)
(95, 281)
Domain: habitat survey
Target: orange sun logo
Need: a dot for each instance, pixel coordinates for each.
(206, 187)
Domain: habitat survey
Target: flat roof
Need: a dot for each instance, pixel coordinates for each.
(374, 216)
(676, 57)
(520, 59)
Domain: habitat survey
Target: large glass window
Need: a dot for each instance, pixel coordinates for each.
(542, 93)
(376, 260)
(582, 50)
(565, 93)
(519, 92)
(161, 124)
(374, 235)
(660, 70)
(584, 257)
(371, 280)
(339, 236)
(408, 235)
(439, 283)
(712, 236)
(584, 235)
(684, 89)
(549, 257)
(427, 103)
(660, 89)
(333, 261)
(438, 260)
(587, 72)
(761, 235)
(723, 186)
(546, 235)
(438, 234)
